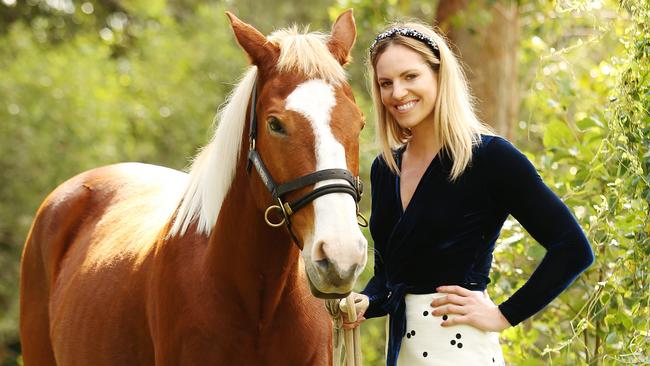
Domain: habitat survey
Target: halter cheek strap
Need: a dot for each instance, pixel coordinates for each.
(354, 186)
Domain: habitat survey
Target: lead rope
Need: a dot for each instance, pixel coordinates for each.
(352, 336)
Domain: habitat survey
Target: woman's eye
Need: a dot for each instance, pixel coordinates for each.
(385, 84)
(411, 76)
(275, 125)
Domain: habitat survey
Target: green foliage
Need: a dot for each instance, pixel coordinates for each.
(591, 120)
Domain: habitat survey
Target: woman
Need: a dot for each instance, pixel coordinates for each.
(442, 188)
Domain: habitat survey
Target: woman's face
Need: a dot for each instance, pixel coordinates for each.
(408, 85)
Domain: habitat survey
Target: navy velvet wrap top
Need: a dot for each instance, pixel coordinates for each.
(446, 234)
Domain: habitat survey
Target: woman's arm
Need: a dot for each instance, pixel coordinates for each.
(376, 288)
(377, 294)
(516, 185)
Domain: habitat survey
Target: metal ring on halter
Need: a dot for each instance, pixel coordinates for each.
(364, 221)
(266, 216)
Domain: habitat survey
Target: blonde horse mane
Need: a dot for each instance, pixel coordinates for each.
(213, 169)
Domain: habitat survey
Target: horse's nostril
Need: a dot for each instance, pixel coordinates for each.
(319, 251)
(323, 265)
(348, 275)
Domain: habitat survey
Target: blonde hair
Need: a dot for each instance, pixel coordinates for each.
(308, 53)
(458, 128)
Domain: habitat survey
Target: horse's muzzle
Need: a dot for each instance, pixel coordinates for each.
(323, 295)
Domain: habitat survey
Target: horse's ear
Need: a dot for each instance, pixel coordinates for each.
(344, 33)
(259, 49)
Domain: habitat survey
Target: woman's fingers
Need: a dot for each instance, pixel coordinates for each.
(474, 308)
(449, 299)
(462, 319)
(346, 319)
(354, 324)
(455, 290)
(450, 309)
(361, 303)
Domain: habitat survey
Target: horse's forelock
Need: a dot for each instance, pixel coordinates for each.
(307, 53)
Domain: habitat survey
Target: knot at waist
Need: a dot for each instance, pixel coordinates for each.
(395, 306)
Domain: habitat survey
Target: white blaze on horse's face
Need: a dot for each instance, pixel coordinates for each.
(335, 254)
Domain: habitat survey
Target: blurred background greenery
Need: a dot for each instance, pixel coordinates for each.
(84, 84)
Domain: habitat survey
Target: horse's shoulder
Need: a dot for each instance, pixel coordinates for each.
(125, 195)
(133, 195)
(111, 182)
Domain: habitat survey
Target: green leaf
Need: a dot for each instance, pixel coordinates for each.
(556, 135)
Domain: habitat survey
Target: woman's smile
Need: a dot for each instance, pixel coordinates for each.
(403, 108)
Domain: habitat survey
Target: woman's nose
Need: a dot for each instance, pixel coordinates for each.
(399, 92)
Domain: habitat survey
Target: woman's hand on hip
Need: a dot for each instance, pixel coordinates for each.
(470, 307)
(361, 303)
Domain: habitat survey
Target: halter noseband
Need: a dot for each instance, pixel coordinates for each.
(354, 186)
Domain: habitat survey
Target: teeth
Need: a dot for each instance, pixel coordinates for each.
(406, 106)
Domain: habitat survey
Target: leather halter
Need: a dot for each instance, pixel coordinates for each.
(353, 186)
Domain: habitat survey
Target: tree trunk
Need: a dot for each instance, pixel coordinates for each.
(486, 42)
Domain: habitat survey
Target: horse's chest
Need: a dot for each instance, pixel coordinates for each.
(289, 337)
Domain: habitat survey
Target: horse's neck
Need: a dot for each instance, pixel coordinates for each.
(258, 263)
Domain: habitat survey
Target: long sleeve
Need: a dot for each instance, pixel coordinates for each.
(377, 293)
(376, 288)
(515, 185)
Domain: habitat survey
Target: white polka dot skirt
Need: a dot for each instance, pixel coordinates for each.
(428, 343)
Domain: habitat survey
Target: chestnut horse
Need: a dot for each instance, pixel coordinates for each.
(133, 264)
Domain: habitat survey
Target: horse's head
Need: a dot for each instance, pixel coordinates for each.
(307, 121)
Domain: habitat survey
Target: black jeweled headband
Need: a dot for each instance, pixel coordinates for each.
(407, 32)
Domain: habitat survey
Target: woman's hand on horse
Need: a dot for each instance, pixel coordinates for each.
(470, 307)
(361, 303)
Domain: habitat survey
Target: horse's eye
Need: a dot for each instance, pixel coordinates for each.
(275, 125)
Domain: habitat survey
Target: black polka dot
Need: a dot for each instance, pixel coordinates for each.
(425, 313)
(408, 335)
(492, 359)
(425, 354)
(453, 342)
(460, 345)
(445, 317)
(412, 332)
(458, 335)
